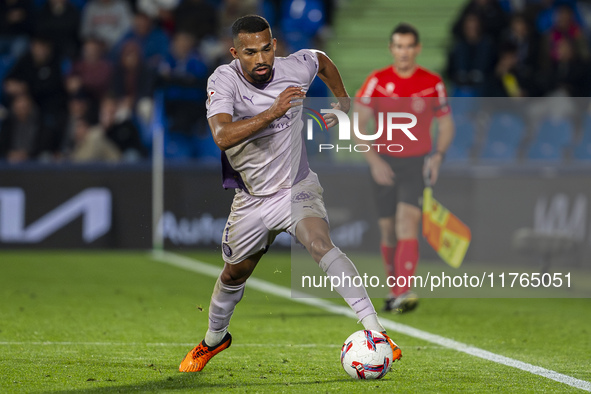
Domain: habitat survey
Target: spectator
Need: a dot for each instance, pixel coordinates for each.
(183, 76)
(59, 22)
(565, 27)
(20, 131)
(490, 13)
(568, 74)
(197, 17)
(152, 39)
(230, 10)
(38, 74)
(160, 10)
(15, 26)
(132, 80)
(472, 56)
(121, 130)
(522, 36)
(506, 80)
(91, 144)
(543, 12)
(107, 20)
(79, 106)
(92, 72)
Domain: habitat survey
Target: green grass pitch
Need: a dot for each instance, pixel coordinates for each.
(122, 322)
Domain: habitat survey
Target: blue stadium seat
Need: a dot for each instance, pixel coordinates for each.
(177, 146)
(544, 151)
(582, 151)
(552, 136)
(555, 131)
(300, 21)
(205, 148)
(504, 135)
(463, 141)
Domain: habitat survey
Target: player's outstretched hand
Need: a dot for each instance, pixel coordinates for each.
(289, 98)
(382, 173)
(344, 105)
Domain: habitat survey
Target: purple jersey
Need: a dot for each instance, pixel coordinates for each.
(275, 157)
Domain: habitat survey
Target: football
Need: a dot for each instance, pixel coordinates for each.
(366, 355)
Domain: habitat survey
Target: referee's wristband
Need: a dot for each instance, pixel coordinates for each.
(440, 153)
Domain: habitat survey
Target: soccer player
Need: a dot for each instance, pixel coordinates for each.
(398, 174)
(254, 109)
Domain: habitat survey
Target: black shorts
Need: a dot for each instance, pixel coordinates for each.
(408, 185)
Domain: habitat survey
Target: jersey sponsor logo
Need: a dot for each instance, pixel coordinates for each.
(245, 98)
(210, 94)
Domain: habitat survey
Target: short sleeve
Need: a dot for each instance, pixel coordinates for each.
(308, 59)
(367, 91)
(441, 104)
(220, 94)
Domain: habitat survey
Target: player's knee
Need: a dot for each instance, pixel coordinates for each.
(234, 275)
(319, 247)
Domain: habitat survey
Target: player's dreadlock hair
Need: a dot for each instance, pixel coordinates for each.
(405, 28)
(249, 24)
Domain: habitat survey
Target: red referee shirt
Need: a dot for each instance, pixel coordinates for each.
(422, 94)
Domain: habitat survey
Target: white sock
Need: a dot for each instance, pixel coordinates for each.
(336, 263)
(222, 305)
(212, 338)
(371, 322)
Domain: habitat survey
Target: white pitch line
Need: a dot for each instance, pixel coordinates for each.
(179, 344)
(284, 292)
(161, 344)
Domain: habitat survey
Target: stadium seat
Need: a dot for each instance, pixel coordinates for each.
(504, 135)
(177, 146)
(582, 151)
(301, 20)
(551, 137)
(205, 148)
(463, 141)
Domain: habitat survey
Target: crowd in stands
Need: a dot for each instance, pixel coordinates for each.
(511, 49)
(521, 48)
(79, 77)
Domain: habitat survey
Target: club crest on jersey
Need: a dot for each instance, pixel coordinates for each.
(226, 249)
(418, 104)
(302, 196)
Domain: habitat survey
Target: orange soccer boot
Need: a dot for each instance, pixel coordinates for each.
(196, 359)
(396, 352)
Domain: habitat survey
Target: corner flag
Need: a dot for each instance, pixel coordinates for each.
(447, 234)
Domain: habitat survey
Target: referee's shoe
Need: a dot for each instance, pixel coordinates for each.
(405, 302)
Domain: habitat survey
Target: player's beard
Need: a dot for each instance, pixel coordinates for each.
(260, 78)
